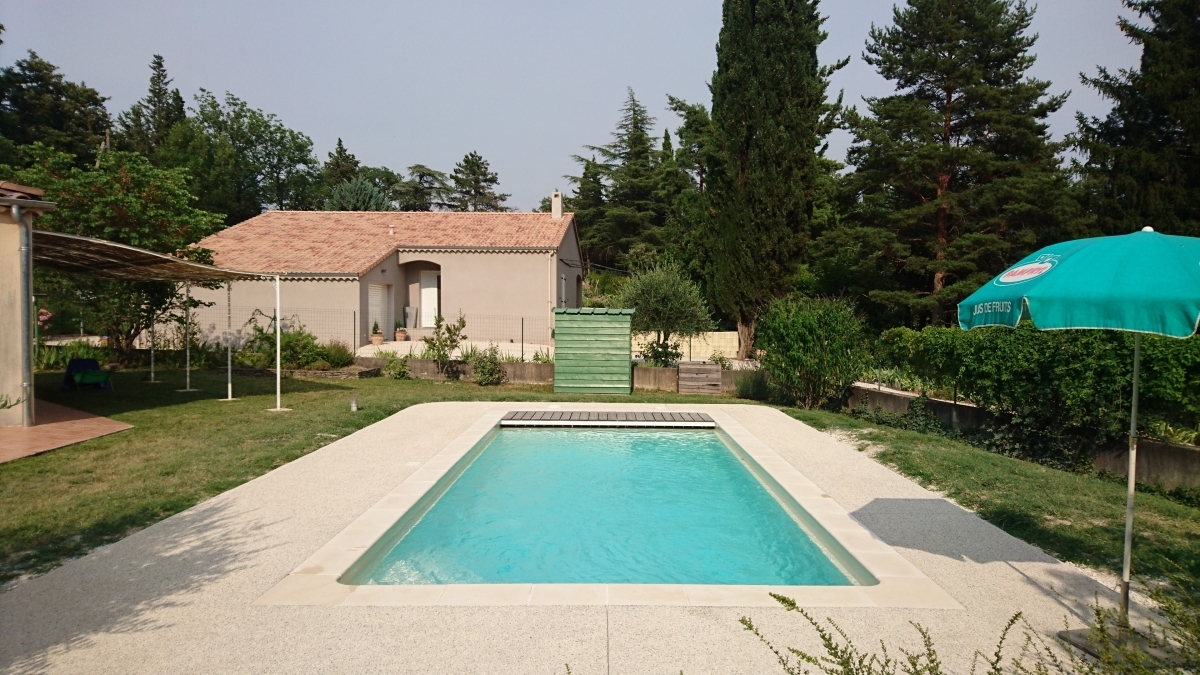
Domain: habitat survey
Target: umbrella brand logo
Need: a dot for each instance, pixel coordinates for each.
(1023, 273)
(1004, 307)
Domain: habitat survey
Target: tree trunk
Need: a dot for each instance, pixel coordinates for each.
(943, 237)
(745, 337)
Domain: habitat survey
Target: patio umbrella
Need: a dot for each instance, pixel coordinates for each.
(1143, 282)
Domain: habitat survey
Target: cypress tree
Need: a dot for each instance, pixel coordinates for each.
(1143, 159)
(145, 126)
(955, 174)
(341, 167)
(770, 114)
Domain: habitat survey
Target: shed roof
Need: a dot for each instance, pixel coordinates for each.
(352, 242)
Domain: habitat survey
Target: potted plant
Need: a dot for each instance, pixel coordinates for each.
(401, 333)
(376, 335)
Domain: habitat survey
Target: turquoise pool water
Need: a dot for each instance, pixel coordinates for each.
(605, 506)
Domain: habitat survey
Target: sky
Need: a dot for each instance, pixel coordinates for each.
(525, 83)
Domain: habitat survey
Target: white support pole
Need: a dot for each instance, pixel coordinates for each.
(278, 353)
(187, 339)
(228, 340)
(1131, 484)
(152, 322)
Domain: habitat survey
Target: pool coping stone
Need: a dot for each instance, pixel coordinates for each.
(315, 581)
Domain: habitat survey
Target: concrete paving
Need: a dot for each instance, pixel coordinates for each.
(179, 596)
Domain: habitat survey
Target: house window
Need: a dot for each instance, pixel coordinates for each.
(578, 291)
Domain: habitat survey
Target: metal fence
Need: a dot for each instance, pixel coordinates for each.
(217, 325)
(220, 325)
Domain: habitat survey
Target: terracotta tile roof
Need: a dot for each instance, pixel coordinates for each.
(352, 242)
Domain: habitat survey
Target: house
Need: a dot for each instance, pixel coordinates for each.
(342, 273)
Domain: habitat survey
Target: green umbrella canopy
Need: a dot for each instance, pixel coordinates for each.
(1143, 282)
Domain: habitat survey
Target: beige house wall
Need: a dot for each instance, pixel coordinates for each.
(496, 287)
(10, 317)
(483, 283)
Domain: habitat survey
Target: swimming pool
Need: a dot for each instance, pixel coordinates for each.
(606, 506)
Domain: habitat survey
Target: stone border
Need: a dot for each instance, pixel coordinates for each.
(315, 581)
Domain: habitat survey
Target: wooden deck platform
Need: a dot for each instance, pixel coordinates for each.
(584, 418)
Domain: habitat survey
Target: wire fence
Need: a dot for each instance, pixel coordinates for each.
(235, 326)
(219, 326)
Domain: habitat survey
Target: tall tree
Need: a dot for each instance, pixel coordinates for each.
(955, 174)
(770, 116)
(425, 189)
(127, 200)
(474, 186)
(358, 194)
(39, 105)
(241, 160)
(341, 167)
(1143, 159)
(145, 126)
(628, 170)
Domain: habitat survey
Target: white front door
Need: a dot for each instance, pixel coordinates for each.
(431, 282)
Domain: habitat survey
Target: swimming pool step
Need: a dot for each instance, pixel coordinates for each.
(593, 418)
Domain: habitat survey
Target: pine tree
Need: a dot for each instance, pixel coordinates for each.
(955, 173)
(425, 189)
(341, 167)
(145, 126)
(474, 186)
(358, 194)
(39, 105)
(770, 114)
(1143, 159)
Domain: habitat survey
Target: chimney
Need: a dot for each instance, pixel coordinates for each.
(556, 205)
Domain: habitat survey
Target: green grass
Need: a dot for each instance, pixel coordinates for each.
(187, 447)
(1075, 517)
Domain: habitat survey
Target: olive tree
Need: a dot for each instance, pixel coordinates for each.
(667, 304)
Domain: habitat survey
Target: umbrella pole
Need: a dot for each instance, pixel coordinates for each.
(1132, 483)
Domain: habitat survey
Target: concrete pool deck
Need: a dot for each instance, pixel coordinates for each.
(180, 596)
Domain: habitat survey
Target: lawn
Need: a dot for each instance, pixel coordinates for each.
(1075, 517)
(187, 447)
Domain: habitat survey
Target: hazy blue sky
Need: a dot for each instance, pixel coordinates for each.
(525, 83)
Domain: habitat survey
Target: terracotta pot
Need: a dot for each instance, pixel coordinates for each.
(376, 339)
(401, 335)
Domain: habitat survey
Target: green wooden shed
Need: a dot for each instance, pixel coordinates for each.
(593, 350)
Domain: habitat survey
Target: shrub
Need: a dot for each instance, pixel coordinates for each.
(338, 354)
(487, 367)
(813, 349)
(445, 339)
(751, 384)
(721, 360)
(662, 354)
(319, 365)
(396, 368)
(52, 357)
(1055, 396)
(1119, 650)
(541, 356)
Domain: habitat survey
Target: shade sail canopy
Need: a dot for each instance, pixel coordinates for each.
(1143, 282)
(100, 258)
